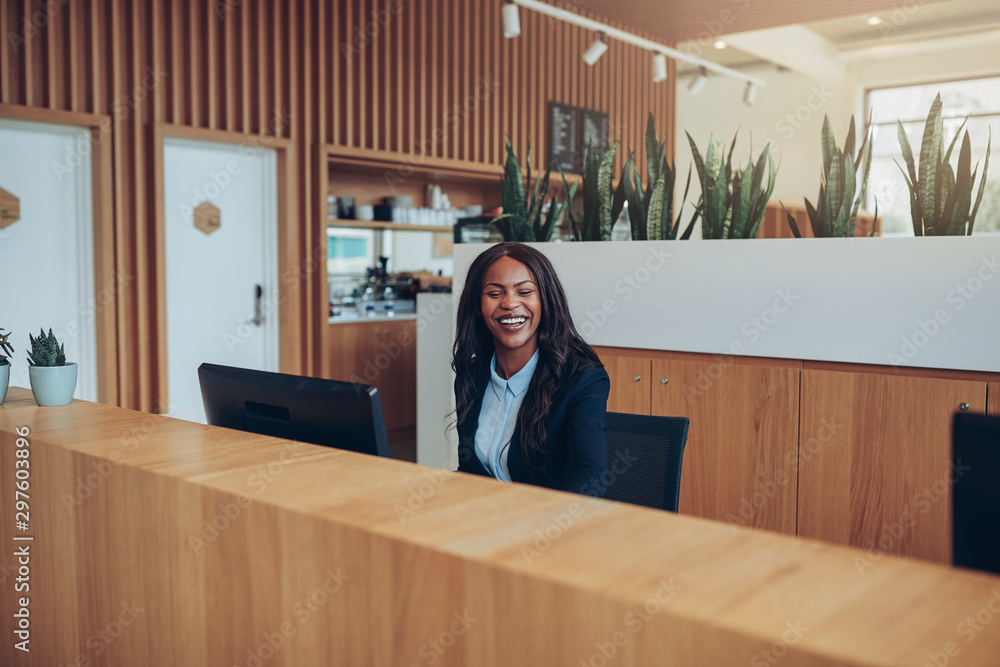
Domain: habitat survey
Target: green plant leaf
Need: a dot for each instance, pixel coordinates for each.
(930, 154)
(653, 150)
(677, 225)
(829, 145)
(982, 183)
(604, 188)
(849, 144)
(791, 222)
(654, 230)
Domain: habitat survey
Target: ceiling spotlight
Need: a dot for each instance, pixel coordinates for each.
(595, 51)
(719, 44)
(749, 94)
(698, 81)
(511, 20)
(874, 20)
(659, 67)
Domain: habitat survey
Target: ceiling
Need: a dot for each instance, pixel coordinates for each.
(840, 28)
(853, 36)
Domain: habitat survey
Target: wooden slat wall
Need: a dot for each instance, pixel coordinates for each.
(428, 78)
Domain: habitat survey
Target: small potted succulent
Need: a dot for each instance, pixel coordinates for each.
(53, 381)
(5, 352)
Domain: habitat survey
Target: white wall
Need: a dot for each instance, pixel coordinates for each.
(789, 109)
(788, 115)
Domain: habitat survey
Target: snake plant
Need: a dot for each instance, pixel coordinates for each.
(601, 204)
(733, 202)
(940, 197)
(523, 219)
(836, 210)
(5, 348)
(650, 209)
(46, 350)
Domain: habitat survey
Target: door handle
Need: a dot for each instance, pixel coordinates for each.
(258, 318)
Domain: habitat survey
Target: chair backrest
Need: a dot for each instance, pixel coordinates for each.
(975, 469)
(644, 459)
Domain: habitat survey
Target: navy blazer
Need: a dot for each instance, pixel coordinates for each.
(575, 453)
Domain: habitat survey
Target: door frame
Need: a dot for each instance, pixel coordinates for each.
(106, 239)
(289, 244)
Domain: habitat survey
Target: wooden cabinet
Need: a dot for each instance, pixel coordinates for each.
(740, 460)
(874, 459)
(993, 398)
(629, 376)
(379, 353)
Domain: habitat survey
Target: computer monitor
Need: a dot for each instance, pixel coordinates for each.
(337, 414)
(976, 491)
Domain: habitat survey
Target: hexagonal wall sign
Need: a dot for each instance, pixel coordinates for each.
(10, 209)
(207, 217)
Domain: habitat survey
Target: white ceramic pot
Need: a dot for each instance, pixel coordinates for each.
(4, 380)
(53, 385)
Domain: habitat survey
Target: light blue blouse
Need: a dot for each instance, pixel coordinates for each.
(498, 416)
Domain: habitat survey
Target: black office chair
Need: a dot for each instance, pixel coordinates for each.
(644, 459)
(976, 507)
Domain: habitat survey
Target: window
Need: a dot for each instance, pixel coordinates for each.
(979, 99)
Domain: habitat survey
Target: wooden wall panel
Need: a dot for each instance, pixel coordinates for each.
(414, 78)
(875, 458)
(740, 461)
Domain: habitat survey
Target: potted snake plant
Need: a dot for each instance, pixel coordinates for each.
(53, 381)
(5, 353)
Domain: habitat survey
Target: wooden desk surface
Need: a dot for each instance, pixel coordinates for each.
(162, 542)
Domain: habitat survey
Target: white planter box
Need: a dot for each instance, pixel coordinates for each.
(921, 302)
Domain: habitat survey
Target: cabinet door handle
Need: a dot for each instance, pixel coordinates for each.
(258, 317)
(964, 407)
(664, 380)
(637, 378)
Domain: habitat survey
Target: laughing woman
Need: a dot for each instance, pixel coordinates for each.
(530, 394)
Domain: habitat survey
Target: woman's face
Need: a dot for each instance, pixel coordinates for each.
(511, 306)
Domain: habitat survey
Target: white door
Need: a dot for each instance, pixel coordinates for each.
(47, 257)
(214, 313)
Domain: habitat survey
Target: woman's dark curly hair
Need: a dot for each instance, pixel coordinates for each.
(562, 352)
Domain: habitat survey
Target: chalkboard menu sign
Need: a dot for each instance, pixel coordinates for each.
(564, 140)
(594, 132)
(571, 130)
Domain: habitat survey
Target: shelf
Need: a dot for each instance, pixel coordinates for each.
(395, 226)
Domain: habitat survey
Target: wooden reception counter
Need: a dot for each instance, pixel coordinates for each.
(162, 542)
